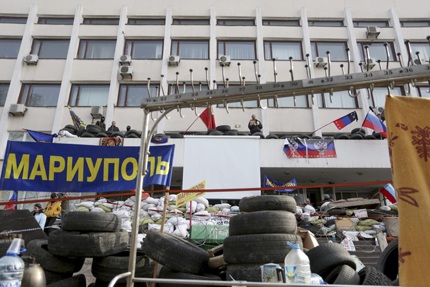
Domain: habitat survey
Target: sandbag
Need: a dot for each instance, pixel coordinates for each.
(194, 206)
(97, 209)
(212, 209)
(394, 207)
(222, 205)
(87, 204)
(82, 208)
(368, 222)
(154, 226)
(105, 209)
(299, 211)
(151, 200)
(203, 201)
(363, 227)
(200, 207)
(156, 216)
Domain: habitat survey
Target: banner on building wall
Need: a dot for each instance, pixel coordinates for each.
(269, 182)
(81, 168)
(309, 148)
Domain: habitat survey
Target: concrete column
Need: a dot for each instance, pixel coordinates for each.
(114, 78)
(334, 193)
(212, 53)
(307, 50)
(399, 44)
(65, 81)
(15, 83)
(261, 70)
(355, 58)
(165, 61)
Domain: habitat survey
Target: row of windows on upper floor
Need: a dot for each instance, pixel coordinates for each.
(199, 49)
(206, 21)
(131, 95)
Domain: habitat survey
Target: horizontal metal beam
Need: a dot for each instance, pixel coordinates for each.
(380, 78)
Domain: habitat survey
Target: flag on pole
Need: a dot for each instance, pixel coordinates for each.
(373, 122)
(12, 198)
(76, 120)
(268, 182)
(389, 192)
(208, 118)
(346, 120)
(41, 137)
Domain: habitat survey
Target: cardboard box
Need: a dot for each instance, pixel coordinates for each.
(344, 225)
(308, 238)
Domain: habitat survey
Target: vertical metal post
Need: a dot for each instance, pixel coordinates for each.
(141, 172)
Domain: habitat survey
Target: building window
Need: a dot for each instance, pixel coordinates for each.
(13, 20)
(340, 99)
(326, 23)
(56, 21)
(377, 51)
(89, 95)
(137, 21)
(337, 50)
(423, 48)
(191, 49)
(288, 102)
(188, 88)
(415, 23)
(235, 22)
(237, 50)
(9, 48)
(144, 49)
(101, 21)
(378, 95)
(281, 23)
(50, 49)
(39, 95)
(132, 95)
(190, 21)
(282, 50)
(97, 49)
(21, 137)
(4, 88)
(423, 92)
(370, 23)
(247, 104)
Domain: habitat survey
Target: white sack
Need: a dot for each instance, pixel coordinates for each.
(126, 225)
(309, 209)
(181, 230)
(176, 220)
(299, 211)
(385, 208)
(223, 205)
(203, 201)
(306, 216)
(156, 216)
(226, 210)
(235, 208)
(172, 197)
(87, 204)
(200, 207)
(97, 209)
(154, 226)
(194, 206)
(151, 200)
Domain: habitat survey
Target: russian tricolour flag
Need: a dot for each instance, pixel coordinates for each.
(13, 198)
(389, 193)
(373, 122)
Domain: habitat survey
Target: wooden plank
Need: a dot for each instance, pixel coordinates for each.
(217, 250)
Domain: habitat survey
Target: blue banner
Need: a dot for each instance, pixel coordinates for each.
(41, 137)
(268, 182)
(81, 168)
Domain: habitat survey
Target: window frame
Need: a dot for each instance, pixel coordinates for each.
(179, 20)
(325, 55)
(271, 51)
(415, 21)
(425, 43)
(8, 85)
(18, 18)
(145, 19)
(172, 89)
(20, 39)
(126, 92)
(145, 40)
(297, 22)
(324, 106)
(86, 48)
(356, 24)
(29, 89)
(325, 21)
(227, 41)
(189, 40)
(39, 21)
(275, 105)
(91, 19)
(40, 47)
(234, 20)
(79, 91)
(420, 93)
(402, 90)
(393, 55)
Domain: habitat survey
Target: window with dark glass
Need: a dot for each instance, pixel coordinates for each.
(235, 22)
(4, 88)
(191, 49)
(96, 49)
(137, 21)
(39, 95)
(50, 49)
(13, 20)
(423, 48)
(326, 23)
(370, 23)
(377, 98)
(89, 95)
(144, 49)
(415, 23)
(56, 21)
(282, 50)
(237, 50)
(377, 51)
(281, 23)
(190, 21)
(9, 48)
(101, 21)
(247, 104)
(337, 50)
(132, 95)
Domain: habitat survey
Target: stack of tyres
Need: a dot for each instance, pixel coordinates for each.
(260, 235)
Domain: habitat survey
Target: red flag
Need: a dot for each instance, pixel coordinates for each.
(208, 118)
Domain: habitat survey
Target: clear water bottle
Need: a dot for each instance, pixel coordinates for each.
(297, 267)
(12, 266)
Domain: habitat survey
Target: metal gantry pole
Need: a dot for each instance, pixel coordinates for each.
(141, 172)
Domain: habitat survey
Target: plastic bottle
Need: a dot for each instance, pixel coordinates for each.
(297, 267)
(12, 266)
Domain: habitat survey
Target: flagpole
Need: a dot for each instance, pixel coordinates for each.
(319, 128)
(191, 125)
